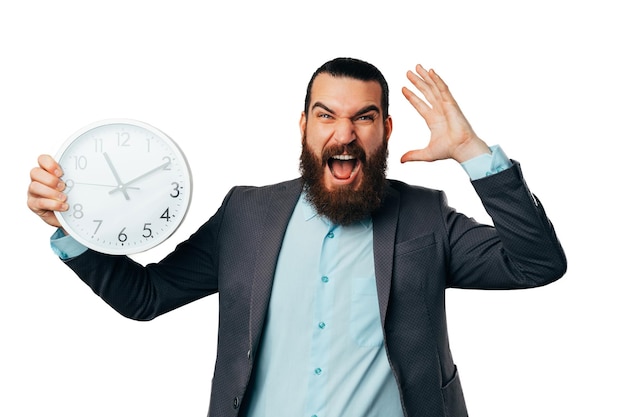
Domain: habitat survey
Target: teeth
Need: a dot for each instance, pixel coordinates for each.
(343, 157)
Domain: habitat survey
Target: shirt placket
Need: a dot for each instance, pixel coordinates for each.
(321, 325)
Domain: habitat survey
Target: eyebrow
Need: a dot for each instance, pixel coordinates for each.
(360, 112)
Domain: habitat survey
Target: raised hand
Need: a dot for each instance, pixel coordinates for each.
(451, 134)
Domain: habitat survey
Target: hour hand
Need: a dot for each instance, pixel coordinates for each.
(122, 187)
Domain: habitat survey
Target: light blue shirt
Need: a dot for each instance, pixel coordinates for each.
(487, 164)
(322, 352)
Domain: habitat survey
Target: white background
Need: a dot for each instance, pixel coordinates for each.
(542, 78)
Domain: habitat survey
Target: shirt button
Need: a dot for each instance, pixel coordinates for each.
(236, 402)
(325, 279)
(330, 235)
(318, 371)
(321, 324)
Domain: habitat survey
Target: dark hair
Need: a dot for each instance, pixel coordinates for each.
(351, 68)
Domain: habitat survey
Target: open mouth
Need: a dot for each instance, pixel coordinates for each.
(343, 166)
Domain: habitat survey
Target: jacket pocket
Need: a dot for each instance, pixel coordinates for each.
(415, 244)
(453, 397)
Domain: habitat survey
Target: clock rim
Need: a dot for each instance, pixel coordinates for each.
(130, 250)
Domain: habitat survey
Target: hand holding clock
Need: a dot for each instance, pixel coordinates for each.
(45, 192)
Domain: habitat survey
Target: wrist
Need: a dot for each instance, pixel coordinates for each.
(470, 149)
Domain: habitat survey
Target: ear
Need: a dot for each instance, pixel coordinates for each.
(302, 124)
(388, 128)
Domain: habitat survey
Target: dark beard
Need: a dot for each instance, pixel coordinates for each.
(345, 205)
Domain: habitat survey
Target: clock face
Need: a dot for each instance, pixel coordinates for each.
(128, 186)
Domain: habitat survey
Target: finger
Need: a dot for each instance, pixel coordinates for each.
(40, 190)
(50, 165)
(41, 175)
(44, 209)
(41, 205)
(442, 87)
(425, 75)
(420, 105)
(431, 79)
(424, 84)
(45, 206)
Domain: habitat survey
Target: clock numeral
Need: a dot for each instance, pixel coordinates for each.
(168, 161)
(78, 211)
(176, 192)
(97, 145)
(122, 237)
(166, 214)
(147, 232)
(98, 226)
(123, 139)
(80, 162)
(69, 185)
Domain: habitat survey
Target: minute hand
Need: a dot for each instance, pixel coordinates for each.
(122, 187)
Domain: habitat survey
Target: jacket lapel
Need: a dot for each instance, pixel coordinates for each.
(385, 222)
(281, 203)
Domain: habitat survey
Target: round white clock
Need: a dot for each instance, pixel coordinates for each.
(128, 186)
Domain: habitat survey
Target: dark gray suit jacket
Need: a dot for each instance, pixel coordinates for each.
(421, 247)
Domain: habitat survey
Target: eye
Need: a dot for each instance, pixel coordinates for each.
(324, 116)
(366, 117)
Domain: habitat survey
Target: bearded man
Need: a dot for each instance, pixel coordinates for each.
(332, 285)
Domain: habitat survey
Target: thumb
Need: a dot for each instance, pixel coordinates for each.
(417, 155)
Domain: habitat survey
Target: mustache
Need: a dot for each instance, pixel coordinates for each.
(351, 148)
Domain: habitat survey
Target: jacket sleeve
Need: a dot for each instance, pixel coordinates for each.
(145, 292)
(521, 251)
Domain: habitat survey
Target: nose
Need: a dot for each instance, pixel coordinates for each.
(344, 131)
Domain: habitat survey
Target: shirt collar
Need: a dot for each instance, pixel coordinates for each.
(309, 212)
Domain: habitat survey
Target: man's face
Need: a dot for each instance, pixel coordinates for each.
(344, 151)
(344, 111)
